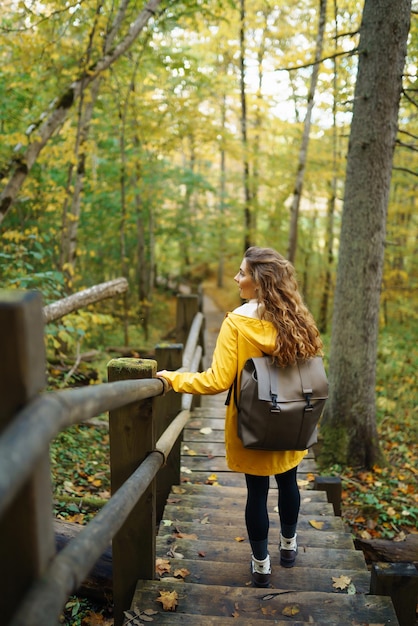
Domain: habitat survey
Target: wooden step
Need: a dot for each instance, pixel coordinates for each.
(218, 501)
(227, 478)
(169, 534)
(240, 552)
(203, 571)
(241, 492)
(176, 513)
(261, 604)
(215, 463)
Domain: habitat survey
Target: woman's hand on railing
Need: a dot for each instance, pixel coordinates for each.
(166, 383)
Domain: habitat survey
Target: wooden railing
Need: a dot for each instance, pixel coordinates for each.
(145, 433)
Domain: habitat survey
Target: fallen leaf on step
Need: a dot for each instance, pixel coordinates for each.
(191, 536)
(162, 566)
(205, 520)
(175, 555)
(182, 572)
(178, 490)
(315, 524)
(290, 610)
(185, 470)
(132, 618)
(302, 483)
(168, 599)
(201, 553)
(205, 431)
(341, 582)
(212, 480)
(239, 539)
(191, 453)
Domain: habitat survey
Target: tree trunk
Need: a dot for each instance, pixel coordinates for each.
(329, 235)
(303, 153)
(78, 300)
(349, 425)
(248, 213)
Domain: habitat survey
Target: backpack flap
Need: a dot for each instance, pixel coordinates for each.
(279, 407)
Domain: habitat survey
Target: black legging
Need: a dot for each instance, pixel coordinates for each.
(256, 514)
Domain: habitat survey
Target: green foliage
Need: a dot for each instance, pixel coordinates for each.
(84, 329)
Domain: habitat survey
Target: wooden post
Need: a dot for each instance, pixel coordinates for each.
(187, 307)
(332, 486)
(26, 532)
(400, 582)
(132, 437)
(168, 357)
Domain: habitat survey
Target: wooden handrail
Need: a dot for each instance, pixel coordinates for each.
(25, 439)
(31, 432)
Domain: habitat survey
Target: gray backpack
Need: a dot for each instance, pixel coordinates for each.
(279, 407)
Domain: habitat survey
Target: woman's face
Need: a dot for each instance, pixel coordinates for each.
(247, 286)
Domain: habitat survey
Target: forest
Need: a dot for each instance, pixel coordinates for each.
(156, 140)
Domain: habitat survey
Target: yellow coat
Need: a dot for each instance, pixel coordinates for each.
(240, 338)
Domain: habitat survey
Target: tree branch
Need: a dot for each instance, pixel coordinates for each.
(406, 145)
(331, 56)
(406, 170)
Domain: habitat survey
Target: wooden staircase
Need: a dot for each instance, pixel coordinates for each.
(205, 553)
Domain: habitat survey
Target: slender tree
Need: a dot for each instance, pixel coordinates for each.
(349, 425)
(303, 152)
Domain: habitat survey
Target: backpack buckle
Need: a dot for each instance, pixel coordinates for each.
(275, 407)
(309, 406)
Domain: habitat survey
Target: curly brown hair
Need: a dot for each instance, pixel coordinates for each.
(281, 303)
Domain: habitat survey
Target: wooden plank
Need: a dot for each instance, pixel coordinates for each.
(205, 572)
(306, 536)
(214, 620)
(218, 464)
(308, 606)
(174, 513)
(240, 552)
(241, 492)
(214, 502)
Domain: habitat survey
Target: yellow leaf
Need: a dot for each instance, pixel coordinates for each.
(290, 610)
(239, 539)
(316, 524)
(162, 566)
(178, 490)
(341, 582)
(181, 572)
(168, 599)
(190, 536)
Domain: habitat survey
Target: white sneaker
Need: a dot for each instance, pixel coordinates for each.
(288, 551)
(260, 571)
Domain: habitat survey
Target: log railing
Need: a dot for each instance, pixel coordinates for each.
(145, 434)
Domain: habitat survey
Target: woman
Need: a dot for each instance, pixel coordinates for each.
(273, 321)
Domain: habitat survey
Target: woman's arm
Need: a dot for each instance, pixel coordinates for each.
(220, 375)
